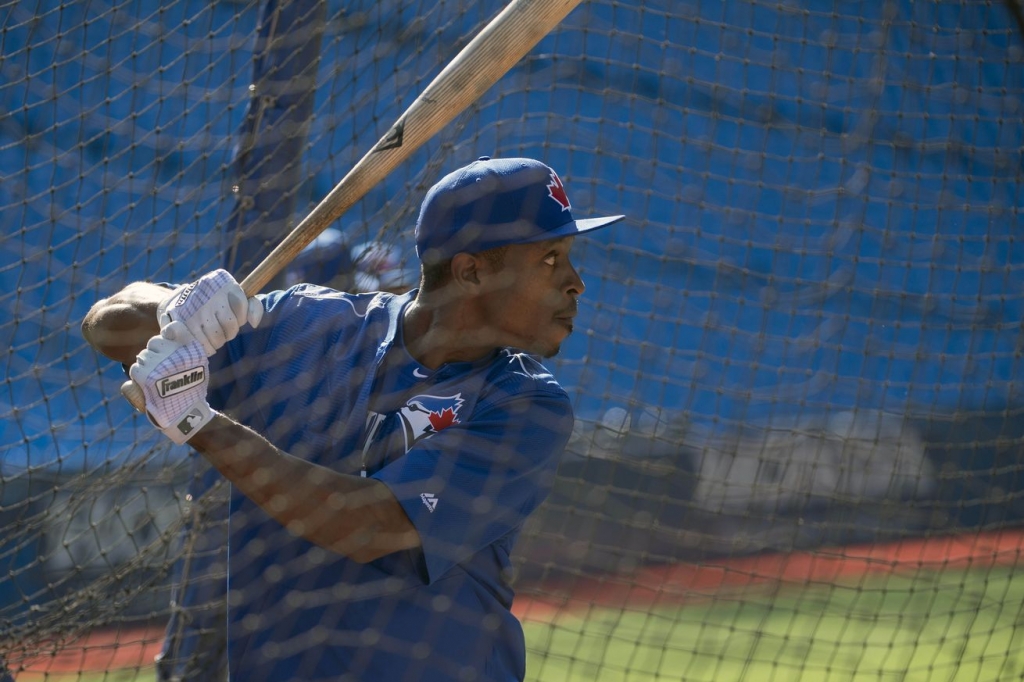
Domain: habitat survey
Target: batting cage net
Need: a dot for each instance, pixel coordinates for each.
(798, 446)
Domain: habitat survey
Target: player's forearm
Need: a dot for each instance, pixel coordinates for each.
(351, 515)
(119, 326)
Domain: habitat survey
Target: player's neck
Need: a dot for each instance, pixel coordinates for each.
(438, 335)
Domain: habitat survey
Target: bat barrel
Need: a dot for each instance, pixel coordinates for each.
(490, 55)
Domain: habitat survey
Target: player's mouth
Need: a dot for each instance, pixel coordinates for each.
(566, 321)
(565, 315)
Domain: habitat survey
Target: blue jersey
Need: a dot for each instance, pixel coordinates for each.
(469, 450)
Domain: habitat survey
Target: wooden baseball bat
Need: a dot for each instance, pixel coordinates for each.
(495, 50)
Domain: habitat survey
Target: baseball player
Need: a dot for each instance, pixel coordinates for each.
(384, 450)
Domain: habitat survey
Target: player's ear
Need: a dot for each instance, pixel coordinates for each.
(465, 270)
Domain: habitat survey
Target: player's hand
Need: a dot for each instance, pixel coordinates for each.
(213, 308)
(173, 372)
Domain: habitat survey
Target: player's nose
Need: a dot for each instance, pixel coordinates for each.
(574, 283)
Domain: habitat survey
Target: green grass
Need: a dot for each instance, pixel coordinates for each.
(958, 626)
(951, 626)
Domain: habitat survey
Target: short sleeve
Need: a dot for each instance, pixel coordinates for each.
(471, 484)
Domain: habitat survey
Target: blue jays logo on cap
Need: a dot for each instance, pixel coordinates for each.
(496, 202)
(557, 191)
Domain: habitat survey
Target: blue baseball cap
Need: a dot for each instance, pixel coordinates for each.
(496, 202)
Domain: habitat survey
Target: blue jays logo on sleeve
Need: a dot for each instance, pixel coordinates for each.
(421, 416)
(424, 415)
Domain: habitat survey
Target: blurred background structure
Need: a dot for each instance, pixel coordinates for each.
(806, 338)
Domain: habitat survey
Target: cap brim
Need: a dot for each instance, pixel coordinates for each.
(578, 227)
(588, 224)
(569, 229)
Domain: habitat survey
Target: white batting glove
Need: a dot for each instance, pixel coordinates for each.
(173, 372)
(213, 308)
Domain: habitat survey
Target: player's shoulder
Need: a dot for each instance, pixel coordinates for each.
(322, 304)
(515, 371)
(520, 386)
(314, 294)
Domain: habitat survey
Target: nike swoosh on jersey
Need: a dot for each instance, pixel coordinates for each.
(418, 374)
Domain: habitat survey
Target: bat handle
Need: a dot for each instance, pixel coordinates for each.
(131, 391)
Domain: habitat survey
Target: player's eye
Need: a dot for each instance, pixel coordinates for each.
(551, 258)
